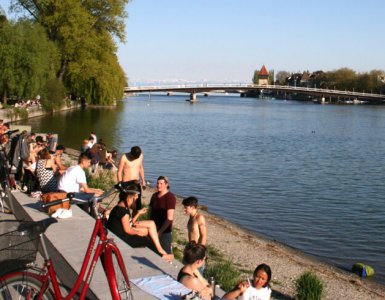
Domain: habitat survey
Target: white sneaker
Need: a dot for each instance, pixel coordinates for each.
(57, 213)
(66, 213)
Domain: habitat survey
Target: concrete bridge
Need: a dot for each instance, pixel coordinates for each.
(242, 89)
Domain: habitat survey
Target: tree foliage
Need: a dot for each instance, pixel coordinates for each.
(53, 94)
(84, 33)
(27, 59)
(343, 79)
(281, 77)
(347, 79)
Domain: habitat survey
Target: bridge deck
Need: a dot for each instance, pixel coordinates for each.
(243, 88)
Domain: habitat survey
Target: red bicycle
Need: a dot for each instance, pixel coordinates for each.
(36, 283)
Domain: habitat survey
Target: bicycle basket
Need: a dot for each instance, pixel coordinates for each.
(18, 248)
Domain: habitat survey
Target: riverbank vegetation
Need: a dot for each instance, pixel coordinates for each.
(309, 287)
(340, 79)
(67, 46)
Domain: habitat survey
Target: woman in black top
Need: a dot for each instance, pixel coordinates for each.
(123, 225)
(194, 257)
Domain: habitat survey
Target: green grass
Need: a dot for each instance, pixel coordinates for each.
(309, 287)
(214, 254)
(224, 273)
(102, 179)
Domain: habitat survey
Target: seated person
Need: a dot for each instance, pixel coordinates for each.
(194, 258)
(74, 180)
(84, 146)
(257, 289)
(124, 226)
(45, 172)
(57, 157)
(29, 164)
(110, 162)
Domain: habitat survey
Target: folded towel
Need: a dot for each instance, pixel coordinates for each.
(161, 286)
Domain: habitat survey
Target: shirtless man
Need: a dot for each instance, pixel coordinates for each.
(196, 226)
(130, 170)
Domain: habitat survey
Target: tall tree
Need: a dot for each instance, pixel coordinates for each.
(27, 59)
(82, 30)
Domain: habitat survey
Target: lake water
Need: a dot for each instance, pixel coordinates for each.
(310, 176)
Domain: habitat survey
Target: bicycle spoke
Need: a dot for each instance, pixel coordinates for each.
(22, 287)
(124, 289)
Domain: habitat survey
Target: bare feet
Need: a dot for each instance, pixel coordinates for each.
(168, 257)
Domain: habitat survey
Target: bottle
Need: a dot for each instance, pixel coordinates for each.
(212, 284)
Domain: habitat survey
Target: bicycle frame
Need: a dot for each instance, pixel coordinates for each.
(105, 249)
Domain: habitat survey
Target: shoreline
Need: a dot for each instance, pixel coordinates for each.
(246, 249)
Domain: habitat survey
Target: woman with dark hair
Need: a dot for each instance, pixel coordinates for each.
(258, 289)
(45, 171)
(124, 226)
(194, 256)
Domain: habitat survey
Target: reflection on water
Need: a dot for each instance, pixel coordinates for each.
(308, 175)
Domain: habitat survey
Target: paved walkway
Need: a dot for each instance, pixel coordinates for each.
(67, 242)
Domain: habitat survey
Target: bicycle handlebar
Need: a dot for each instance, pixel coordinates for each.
(95, 199)
(9, 132)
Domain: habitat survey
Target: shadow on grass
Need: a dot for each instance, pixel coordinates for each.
(279, 296)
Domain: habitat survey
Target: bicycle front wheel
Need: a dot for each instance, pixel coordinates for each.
(23, 286)
(124, 289)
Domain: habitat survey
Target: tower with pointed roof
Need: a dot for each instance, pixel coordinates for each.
(263, 76)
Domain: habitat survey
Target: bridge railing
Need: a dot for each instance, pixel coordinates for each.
(240, 86)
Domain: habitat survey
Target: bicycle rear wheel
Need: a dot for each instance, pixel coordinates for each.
(123, 286)
(22, 286)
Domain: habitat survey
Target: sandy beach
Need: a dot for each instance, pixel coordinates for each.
(246, 250)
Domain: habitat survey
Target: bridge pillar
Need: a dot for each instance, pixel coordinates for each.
(193, 97)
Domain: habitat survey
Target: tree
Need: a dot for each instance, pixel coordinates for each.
(27, 59)
(342, 79)
(82, 30)
(271, 77)
(255, 77)
(281, 77)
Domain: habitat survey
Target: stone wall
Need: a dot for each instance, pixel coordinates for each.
(33, 112)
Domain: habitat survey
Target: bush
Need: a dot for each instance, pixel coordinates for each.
(102, 179)
(224, 274)
(309, 287)
(17, 112)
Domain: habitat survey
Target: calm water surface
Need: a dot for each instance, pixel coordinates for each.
(311, 176)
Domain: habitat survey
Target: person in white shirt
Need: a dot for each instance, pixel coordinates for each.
(74, 179)
(92, 140)
(257, 289)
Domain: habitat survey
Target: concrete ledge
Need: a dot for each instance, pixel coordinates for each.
(67, 242)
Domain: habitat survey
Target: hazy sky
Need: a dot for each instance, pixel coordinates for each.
(226, 40)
